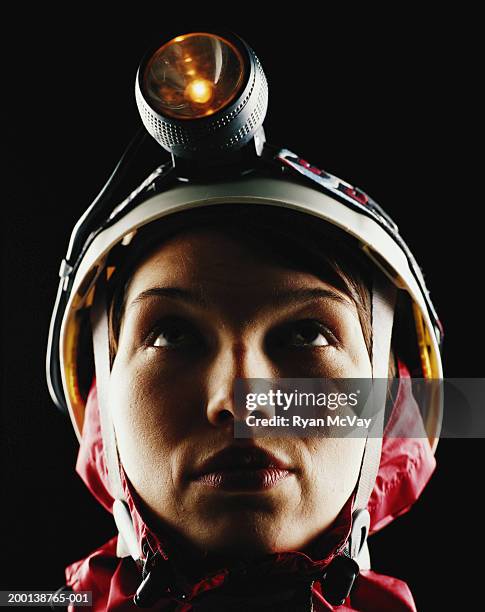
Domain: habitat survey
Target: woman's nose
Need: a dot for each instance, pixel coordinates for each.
(230, 379)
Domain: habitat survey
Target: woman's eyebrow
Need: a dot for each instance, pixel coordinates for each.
(278, 298)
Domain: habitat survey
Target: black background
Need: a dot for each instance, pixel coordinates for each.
(384, 101)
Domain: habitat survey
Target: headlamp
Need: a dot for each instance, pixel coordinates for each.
(202, 94)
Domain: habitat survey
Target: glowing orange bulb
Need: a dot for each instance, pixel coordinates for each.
(199, 91)
(193, 75)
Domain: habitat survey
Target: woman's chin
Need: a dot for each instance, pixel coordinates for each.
(245, 539)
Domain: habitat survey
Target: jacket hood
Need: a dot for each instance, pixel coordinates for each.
(405, 467)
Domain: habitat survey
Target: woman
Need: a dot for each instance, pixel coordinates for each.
(189, 291)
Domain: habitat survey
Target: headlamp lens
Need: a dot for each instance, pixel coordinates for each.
(193, 76)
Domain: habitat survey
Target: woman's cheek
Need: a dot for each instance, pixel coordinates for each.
(143, 442)
(156, 407)
(335, 465)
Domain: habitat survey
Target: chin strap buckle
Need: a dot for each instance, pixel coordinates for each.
(338, 579)
(340, 575)
(158, 580)
(358, 533)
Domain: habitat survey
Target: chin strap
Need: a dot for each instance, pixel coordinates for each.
(127, 540)
(344, 569)
(383, 302)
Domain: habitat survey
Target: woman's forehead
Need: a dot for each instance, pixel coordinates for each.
(208, 250)
(207, 266)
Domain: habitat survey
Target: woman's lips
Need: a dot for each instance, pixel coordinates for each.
(244, 479)
(242, 467)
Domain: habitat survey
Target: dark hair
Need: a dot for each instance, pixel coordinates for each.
(287, 236)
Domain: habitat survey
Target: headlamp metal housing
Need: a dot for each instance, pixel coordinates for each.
(216, 135)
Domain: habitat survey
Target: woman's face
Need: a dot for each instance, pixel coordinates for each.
(200, 313)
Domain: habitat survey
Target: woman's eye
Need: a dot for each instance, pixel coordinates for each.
(172, 335)
(304, 334)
